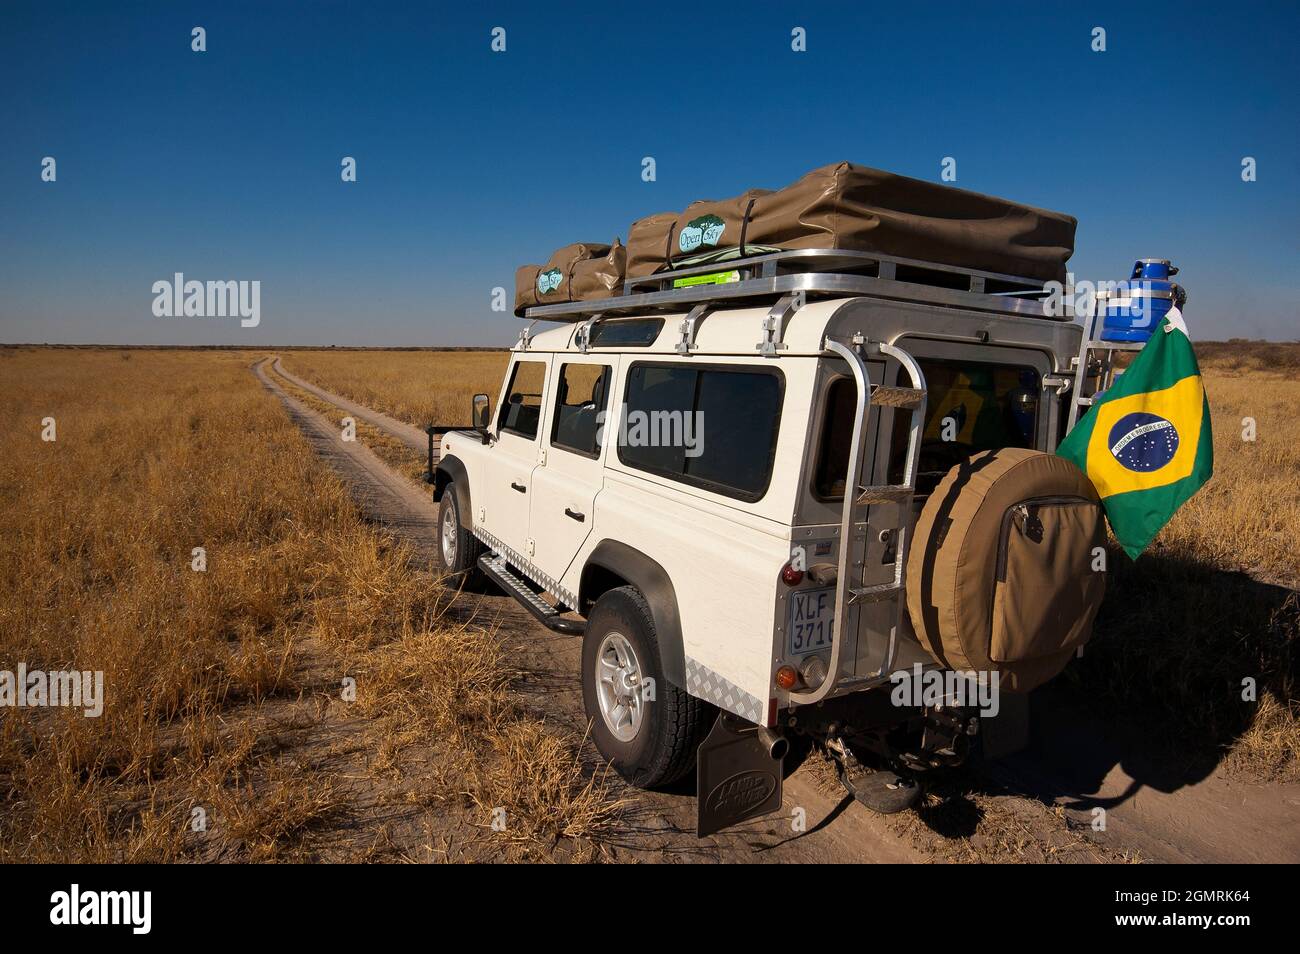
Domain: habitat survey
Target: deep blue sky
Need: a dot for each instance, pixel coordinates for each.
(225, 164)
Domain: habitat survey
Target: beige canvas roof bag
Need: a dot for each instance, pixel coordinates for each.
(599, 276)
(649, 243)
(1003, 575)
(845, 206)
(579, 272)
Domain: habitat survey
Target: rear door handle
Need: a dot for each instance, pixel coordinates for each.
(580, 517)
(519, 487)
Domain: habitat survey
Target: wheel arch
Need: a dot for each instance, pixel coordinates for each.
(613, 564)
(451, 470)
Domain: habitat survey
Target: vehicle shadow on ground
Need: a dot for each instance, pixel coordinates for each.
(1159, 690)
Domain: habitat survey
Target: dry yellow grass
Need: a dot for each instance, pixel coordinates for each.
(1248, 516)
(1212, 602)
(222, 687)
(419, 387)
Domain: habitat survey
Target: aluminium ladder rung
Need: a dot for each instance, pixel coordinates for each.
(876, 593)
(884, 493)
(884, 396)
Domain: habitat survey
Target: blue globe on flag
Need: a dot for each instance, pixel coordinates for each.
(1143, 442)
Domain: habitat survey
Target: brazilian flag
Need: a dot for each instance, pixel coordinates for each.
(1146, 443)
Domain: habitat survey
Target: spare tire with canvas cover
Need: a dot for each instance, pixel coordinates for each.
(1003, 575)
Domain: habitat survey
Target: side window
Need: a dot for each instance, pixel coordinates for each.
(626, 332)
(582, 396)
(833, 443)
(711, 427)
(523, 407)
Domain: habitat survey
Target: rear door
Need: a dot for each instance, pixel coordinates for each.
(565, 485)
(503, 501)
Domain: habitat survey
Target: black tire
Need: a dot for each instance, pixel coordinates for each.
(672, 726)
(458, 554)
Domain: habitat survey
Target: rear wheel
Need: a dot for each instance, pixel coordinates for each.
(458, 549)
(649, 735)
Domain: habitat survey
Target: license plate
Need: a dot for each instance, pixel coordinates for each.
(811, 615)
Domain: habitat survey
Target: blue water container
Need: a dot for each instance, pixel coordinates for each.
(1133, 311)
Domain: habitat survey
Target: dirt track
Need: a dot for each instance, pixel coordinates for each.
(1046, 795)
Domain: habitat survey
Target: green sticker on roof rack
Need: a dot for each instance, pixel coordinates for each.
(713, 278)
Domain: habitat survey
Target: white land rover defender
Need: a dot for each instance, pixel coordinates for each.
(714, 480)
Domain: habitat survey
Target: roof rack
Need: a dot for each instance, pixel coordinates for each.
(817, 273)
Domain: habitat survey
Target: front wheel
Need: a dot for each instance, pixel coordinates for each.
(458, 549)
(646, 727)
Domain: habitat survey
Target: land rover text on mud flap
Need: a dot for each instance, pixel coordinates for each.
(787, 503)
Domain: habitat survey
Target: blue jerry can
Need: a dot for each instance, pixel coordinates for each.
(1135, 309)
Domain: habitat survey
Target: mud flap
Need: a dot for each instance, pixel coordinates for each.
(736, 778)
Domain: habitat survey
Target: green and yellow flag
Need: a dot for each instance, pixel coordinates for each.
(1146, 443)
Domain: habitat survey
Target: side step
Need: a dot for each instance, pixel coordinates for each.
(495, 568)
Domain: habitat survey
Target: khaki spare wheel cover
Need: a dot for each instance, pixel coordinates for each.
(1027, 624)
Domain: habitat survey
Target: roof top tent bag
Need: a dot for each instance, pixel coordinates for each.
(843, 206)
(707, 225)
(579, 272)
(648, 243)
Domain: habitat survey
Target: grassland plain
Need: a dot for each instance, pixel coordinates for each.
(1211, 603)
(225, 733)
(419, 387)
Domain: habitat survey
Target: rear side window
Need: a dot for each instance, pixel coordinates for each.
(626, 332)
(581, 397)
(523, 407)
(836, 434)
(712, 427)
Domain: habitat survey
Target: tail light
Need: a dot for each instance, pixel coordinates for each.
(787, 678)
(791, 576)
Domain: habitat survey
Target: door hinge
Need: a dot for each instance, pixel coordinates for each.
(541, 456)
(531, 546)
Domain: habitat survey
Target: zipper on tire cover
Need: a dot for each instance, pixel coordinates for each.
(1022, 508)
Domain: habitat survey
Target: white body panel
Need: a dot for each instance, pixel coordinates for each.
(723, 555)
(565, 484)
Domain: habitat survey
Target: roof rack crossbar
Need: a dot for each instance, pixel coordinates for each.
(824, 273)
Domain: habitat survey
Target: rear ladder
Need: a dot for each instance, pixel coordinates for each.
(1096, 358)
(850, 590)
